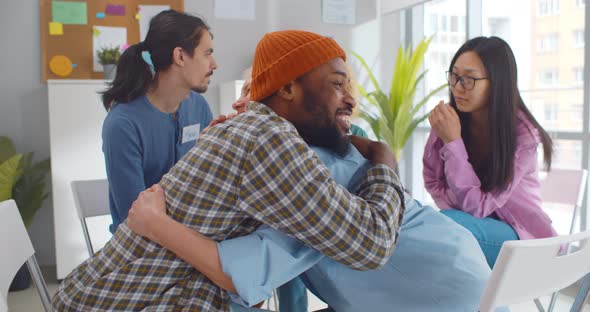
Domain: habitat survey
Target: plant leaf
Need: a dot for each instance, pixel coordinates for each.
(391, 114)
(9, 174)
(369, 72)
(7, 149)
(426, 98)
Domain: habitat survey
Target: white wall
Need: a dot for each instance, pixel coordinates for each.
(234, 42)
(23, 101)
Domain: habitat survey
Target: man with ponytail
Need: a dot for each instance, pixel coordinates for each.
(155, 115)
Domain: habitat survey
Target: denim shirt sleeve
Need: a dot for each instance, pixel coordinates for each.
(263, 261)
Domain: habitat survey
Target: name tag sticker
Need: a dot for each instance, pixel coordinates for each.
(190, 133)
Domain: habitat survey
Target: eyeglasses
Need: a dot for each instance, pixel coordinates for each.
(468, 83)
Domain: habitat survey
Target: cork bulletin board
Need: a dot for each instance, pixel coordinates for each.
(70, 28)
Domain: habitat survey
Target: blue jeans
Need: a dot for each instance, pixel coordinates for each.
(293, 296)
(489, 232)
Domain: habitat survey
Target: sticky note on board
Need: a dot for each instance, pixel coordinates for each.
(137, 17)
(115, 9)
(56, 29)
(100, 15)
(61, 65)
(95, 31)
(72, 13)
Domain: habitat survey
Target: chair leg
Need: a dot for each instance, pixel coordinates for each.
(553, 301)
(39, 283)
(539, 305)
(582, 294)
(87, 238)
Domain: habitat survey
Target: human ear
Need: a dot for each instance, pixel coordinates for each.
(178, 56)
(287, 91)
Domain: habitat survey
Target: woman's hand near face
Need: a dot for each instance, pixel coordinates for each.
(445, 122)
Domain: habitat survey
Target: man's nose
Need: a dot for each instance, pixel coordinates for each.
(350, 101)
(213, 63)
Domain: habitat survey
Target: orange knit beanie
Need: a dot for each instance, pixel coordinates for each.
(282, 56)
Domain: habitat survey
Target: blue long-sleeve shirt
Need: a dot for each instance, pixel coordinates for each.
(437, 265)
(141, 143)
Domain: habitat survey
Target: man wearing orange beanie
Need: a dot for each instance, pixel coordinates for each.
(254, 169)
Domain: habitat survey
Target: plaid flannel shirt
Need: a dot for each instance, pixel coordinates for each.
(250, 170)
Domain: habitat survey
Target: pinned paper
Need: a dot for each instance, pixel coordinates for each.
(69, 12)
(56, 29)
(106, 37)
(95, 31)
(339, 11)
(115, 9)
(147, 12)
(100, 15)
(235, 9)
(61, 65)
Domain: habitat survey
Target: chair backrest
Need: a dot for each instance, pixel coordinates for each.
(529, 269)
(563, 186)
(91, 197)
(566, 187)
(15, 250)
(92, 200)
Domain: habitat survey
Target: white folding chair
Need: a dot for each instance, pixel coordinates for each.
(15, 250)
(566, 187)
(527, 269)
(92, 200)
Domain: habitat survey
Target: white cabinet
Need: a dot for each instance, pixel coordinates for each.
(229, 92)
(76, 115)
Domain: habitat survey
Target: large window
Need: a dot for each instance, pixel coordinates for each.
(447, 38)
(579, 38)
(550, 72)
(548, 43)
(547, 7)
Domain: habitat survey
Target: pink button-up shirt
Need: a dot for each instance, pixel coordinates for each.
(453, 184)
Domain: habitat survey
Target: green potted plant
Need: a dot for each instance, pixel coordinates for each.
(392, 114)
(108, 58)
(24, 181)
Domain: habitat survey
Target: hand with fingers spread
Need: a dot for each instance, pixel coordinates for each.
(444, 121)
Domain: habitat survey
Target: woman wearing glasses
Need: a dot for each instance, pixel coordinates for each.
(480, 160)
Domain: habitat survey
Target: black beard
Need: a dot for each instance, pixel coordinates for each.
(328, 137)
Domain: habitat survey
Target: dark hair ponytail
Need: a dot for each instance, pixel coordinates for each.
(132, 80)
(168, 30)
